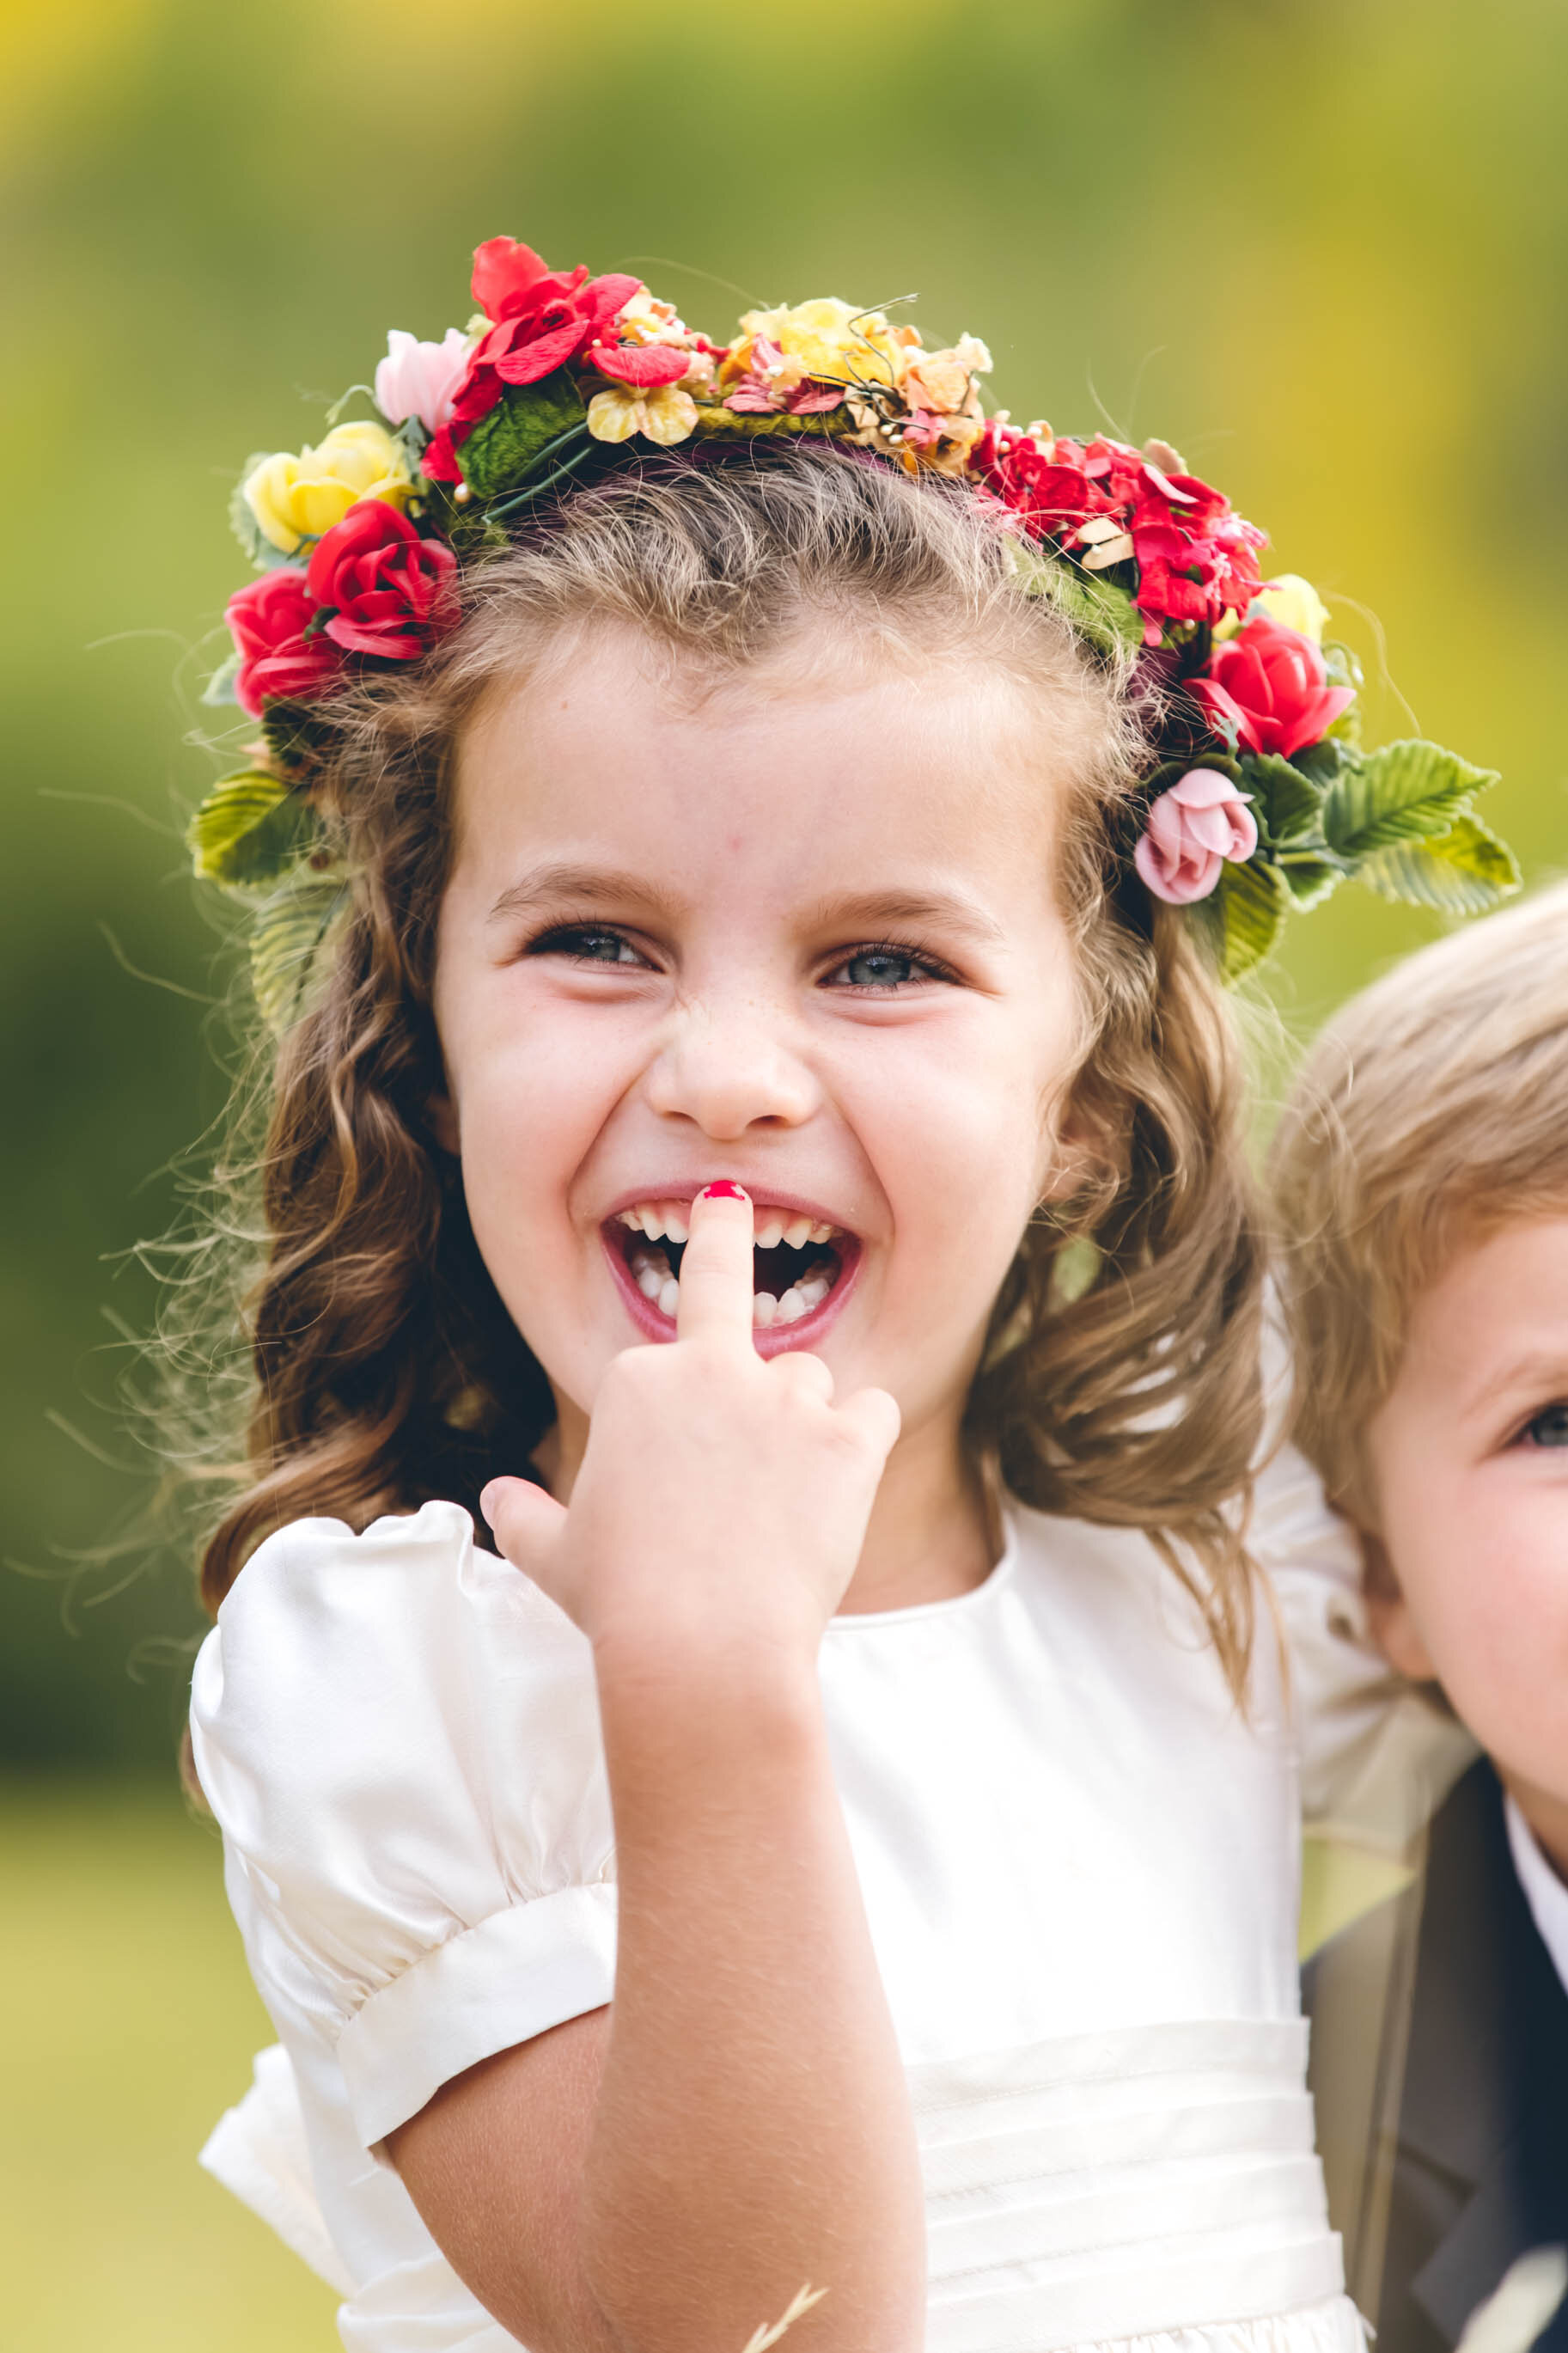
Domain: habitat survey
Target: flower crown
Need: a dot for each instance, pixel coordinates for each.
(1263, 798)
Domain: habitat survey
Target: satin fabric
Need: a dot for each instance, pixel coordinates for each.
(1079, 1862)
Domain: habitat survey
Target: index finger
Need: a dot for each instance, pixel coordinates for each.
(716, 1268)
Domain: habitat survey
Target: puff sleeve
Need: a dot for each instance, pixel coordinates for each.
(398, 1734)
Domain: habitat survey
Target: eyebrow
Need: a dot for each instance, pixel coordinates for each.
(549, 885)
(952, 911)
(1534, 1372)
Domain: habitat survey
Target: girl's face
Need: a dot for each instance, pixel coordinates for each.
(802, 936)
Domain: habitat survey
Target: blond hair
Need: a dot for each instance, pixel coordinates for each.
(1434, 1108)
(386, 1369)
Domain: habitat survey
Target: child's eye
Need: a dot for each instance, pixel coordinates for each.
(1549, 1427)
(884, 966)
(587, 944)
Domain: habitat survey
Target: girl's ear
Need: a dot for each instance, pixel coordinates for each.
(1394, 1629)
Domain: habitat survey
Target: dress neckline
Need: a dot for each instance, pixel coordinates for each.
(848, 1621)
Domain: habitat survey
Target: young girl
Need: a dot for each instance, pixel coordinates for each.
(741, 1756)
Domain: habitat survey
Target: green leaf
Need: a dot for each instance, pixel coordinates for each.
(1463, 872)
(1407, 792)
(294, 735)
(502, 446)
(290, 932)
(1245, 915)
(220, 688)
(1097, 608)
(1321, 763)
(249, 831)
(1309, 881)
(1287, 803)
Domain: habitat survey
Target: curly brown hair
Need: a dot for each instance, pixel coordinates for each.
(385, 1369)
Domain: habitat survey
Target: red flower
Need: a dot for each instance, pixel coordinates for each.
(268, 618)
(1271, 684)
(644, 364)
(392, 591)
(541, 318)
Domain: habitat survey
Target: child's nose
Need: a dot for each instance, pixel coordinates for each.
(728, 1068)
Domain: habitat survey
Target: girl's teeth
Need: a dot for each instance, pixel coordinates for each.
(814, 1291)
(797, 1231)
(652, 1224)
(650, 1281)
(790, 1307)
(673, 1218)
(822, 1234)
(668, 1297)
(765, 1308)
(770, 1233)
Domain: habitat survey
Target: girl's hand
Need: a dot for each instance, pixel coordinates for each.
(723, 1497)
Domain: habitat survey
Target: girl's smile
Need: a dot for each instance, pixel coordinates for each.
(804, 1266)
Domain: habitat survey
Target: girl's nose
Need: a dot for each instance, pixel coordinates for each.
(731, 1070)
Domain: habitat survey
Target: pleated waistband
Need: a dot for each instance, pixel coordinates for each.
(1122, 2184)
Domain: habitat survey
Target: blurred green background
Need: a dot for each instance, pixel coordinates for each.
(1317, 244)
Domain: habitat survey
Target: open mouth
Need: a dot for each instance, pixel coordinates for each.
(797, 1262)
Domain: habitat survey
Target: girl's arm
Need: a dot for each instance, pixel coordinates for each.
(662, 2178)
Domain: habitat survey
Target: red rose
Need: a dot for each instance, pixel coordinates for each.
(1272, 685)
(270, 617)
(542, 318)
(391, 591)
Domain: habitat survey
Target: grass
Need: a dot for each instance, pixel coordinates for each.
(129, 2025)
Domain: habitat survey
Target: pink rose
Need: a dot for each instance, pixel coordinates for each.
(270, 617)
(419, 379)
(1271, 684)
(1190, 833)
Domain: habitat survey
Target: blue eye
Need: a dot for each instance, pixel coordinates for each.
(1550, 1428)
(586, 944)
(881, 964)
(879, 969)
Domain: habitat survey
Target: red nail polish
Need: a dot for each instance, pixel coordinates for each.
(723, 1191)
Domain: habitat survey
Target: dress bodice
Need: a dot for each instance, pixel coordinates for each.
(1079, 1861)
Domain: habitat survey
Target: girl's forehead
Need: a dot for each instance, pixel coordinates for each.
(825, 757)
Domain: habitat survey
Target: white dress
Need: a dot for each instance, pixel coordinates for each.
(1079, 1863)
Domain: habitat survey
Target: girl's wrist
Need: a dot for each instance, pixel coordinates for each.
(768, 1673)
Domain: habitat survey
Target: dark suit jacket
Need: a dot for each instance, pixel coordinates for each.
(1480, 2165)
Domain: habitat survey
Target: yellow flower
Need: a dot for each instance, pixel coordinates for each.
(646, 320)
(295, 499)
(1291, 601)
(833, 341)
(660, 412)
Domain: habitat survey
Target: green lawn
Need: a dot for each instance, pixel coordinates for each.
(130, 2022)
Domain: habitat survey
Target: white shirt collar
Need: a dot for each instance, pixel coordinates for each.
(1543, 1891)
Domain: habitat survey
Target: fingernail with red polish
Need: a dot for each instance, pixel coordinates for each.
(723, 1191)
